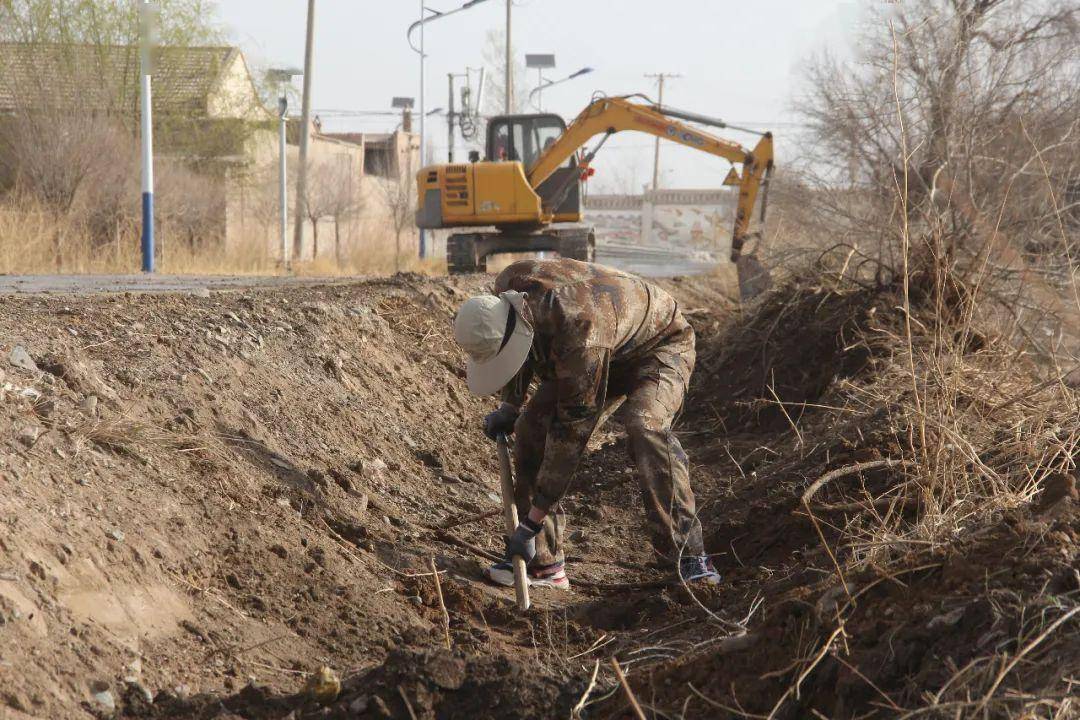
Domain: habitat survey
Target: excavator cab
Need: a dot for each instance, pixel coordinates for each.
(522, 138)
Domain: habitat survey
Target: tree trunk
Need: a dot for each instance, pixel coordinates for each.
(314, 238)
(337, 240)
(397, 252)
(58, 246)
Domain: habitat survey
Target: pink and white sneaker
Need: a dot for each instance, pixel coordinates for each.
(544, 576)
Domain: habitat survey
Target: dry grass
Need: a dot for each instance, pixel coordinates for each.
(34, 240)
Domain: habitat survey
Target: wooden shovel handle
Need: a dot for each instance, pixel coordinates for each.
(510, 522)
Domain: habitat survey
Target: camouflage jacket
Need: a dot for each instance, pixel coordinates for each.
(589, 320)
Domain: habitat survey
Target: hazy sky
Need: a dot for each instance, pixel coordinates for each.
(740, 61)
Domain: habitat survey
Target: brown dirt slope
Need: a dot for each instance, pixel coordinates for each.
(206, 500)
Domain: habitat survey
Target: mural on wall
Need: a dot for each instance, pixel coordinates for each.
(686, 220)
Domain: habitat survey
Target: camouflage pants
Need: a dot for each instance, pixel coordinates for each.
(654, 389)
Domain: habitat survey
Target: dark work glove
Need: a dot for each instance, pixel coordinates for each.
(523, 542)
(501, 422)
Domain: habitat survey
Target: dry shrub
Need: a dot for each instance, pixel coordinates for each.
(926, 425)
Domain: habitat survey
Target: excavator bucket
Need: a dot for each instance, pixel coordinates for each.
(754, 277)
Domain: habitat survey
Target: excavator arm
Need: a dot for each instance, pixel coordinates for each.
(610, 115)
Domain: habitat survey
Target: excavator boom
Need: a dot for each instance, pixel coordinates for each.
(618, 114)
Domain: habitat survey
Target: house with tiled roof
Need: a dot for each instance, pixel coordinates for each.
(205, 101)
(207, 114)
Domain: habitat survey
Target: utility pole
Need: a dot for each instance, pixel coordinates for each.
(660, 78)
(509, 61)
(450, 120)
(305, 125)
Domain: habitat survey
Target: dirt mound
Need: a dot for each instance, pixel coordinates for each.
(207, 500)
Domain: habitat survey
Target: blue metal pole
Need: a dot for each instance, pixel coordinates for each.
(423, 113)
(147, 139)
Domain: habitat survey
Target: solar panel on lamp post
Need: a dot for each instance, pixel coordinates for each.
(540, 63)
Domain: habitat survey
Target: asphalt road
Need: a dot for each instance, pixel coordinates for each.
(650, 265)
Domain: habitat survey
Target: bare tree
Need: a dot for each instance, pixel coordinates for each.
(948, 149)
(342, 196)
(969, 106)
(317, 204)
(398, 190)
(495, 93)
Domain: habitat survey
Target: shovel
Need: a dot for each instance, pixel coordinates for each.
(510, 522)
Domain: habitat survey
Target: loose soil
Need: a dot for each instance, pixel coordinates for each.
(209, 504)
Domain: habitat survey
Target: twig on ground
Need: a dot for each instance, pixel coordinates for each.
(794, 689)
(576, 711)
(408, 705)
(470, 519)
(442, 605)
(1020, 655)
(454, 539)
(626, 689)
(845, 471)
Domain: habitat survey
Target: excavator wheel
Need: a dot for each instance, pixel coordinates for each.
(579, 245)
(461, 257)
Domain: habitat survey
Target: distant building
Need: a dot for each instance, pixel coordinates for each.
(208, 115)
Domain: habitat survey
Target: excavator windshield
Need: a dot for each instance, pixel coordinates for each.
(522, 137)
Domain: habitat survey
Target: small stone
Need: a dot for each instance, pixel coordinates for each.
(449, 478)
(138, 692)
(21, 359)
(369, 469)
(16, 701)
(415, 600)
(429, 459)
(358, 705)
(947, 620)
(29, 435)
(447, 671)
(105, 699)
(116, 535)
(201, 292)
(323, 686)
(89, 405)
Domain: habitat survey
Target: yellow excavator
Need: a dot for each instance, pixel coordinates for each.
(529, 187)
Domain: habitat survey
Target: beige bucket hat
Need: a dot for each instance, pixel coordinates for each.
(496, 337)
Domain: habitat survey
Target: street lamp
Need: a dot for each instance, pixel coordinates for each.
(541, 63)
(549, 83)
(283, 77)
(435, 15)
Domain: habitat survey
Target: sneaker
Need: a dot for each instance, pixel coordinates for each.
(546, 576)
(698, 569)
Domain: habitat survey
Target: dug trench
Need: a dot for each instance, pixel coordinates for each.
(231, 507)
